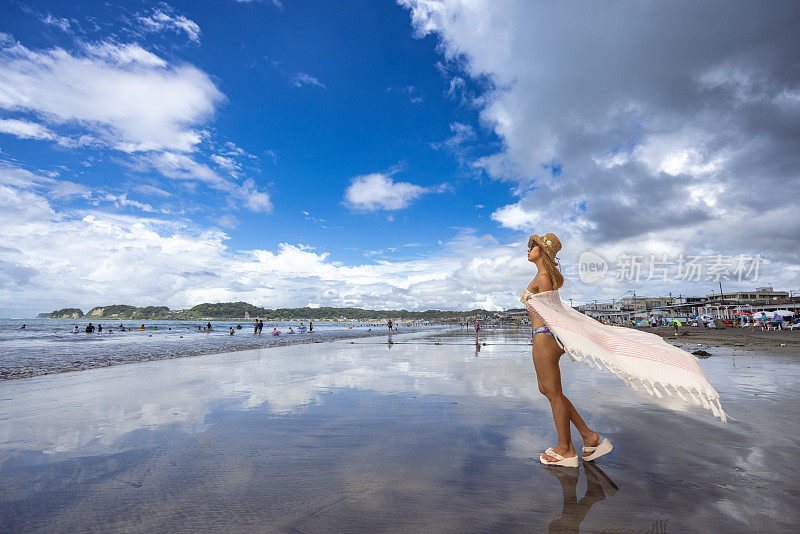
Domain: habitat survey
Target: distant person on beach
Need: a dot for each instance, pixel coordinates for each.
(290, 330)
(75, 330)
(238, 327)
(260, 326)
(231, 330)
(255, 327)
(276, 332)
(389, 324)
(208, 326)
(90, 328)
(23, 327)
(99, 328)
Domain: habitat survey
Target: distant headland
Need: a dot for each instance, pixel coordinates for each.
(243, 310)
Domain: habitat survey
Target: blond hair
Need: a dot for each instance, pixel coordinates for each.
(552, 269)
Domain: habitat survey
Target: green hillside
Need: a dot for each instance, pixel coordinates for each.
(66, 313)
(242, 310)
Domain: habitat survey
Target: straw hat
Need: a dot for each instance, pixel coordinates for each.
(549, 243)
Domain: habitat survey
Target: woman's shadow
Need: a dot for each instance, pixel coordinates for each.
(599, 486)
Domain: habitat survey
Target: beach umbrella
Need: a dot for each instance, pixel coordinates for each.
(741, 313)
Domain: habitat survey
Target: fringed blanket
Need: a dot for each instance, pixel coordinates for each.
(642, 360)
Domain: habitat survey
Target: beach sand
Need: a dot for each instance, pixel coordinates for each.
(363, 436)
(773, 342)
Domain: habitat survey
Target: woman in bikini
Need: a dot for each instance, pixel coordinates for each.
(546, 354)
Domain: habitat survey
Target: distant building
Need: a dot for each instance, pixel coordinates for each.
(514, 316)
(761, 295)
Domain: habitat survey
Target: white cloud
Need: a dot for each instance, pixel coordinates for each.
(179, 264)
(461, 134)
(254, 199)
(123, 94)
(225, 162)
(186, 168)
(149, 189)
(59, 22)
(619, 146)
(31, 130)
(25, 129)
(515, 217)
(376, 191)
(275, 3)
(301, 78)
(123, 201)
(160, 20)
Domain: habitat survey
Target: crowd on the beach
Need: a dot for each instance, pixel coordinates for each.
(258, 327)
(777, 320)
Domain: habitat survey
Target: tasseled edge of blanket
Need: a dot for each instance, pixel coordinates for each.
(708, 400)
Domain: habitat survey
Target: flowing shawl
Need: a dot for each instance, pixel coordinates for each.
(642, 360)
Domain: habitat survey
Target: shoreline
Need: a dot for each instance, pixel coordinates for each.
(265, 342)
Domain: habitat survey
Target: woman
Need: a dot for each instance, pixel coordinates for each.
(546, 354)
(642, 360)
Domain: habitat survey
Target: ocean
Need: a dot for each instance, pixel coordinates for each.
(49, 345)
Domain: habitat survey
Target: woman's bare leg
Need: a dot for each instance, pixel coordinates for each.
(545, 360)
(589, 436)
(546, 354)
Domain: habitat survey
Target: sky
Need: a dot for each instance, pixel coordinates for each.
(393, 154)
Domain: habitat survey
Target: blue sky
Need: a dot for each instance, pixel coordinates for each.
(379, 104)
(385, 154)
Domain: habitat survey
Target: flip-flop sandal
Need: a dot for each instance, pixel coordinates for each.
(560, 460)
(604, 447)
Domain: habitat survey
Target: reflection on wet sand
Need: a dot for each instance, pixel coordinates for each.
(419, 435)
(599, 487)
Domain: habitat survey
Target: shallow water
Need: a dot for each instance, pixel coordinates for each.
(47, 346)
(364, 436)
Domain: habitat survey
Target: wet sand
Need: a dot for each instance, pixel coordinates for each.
(362, 436)
(773, 342)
